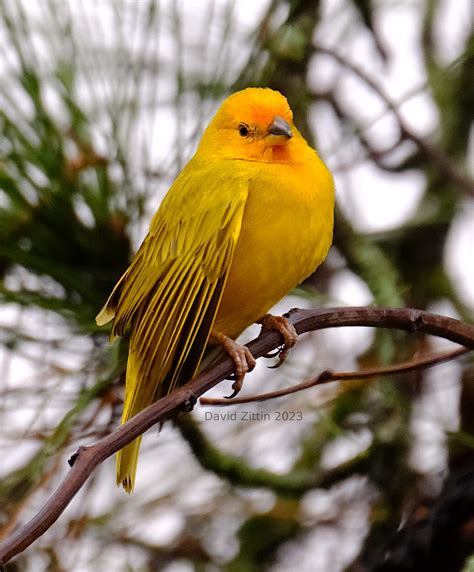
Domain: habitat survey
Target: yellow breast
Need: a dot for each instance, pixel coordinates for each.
(286, 233)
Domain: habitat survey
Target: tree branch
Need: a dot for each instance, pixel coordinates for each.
(328, 376)
(86, 459)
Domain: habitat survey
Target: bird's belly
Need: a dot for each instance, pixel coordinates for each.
(282, 241)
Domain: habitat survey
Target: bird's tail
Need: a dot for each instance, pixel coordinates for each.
(126, 465)
(135, 401)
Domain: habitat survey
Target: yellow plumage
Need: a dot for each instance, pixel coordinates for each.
(248, 218)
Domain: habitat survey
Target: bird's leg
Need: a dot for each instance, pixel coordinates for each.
(241, 356)
(286, 329)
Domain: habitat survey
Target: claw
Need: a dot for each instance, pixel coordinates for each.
(242, 357)
(233, 394)
(282, 355)
(273, 354)
(286, 329)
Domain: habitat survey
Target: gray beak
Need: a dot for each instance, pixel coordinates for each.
(280, 126)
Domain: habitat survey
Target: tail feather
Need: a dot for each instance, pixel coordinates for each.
(135, 401)
(126, 465)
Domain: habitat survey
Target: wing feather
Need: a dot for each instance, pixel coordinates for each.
(169, 296)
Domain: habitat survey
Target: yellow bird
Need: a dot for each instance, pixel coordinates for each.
(247, 219)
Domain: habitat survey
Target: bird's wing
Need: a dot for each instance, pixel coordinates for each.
(169, 296)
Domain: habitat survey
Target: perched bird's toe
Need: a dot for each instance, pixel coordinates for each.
(241, 356)
(286, 329)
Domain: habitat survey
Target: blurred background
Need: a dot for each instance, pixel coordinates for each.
(102, 103)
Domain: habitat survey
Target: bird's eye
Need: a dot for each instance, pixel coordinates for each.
(243, 130)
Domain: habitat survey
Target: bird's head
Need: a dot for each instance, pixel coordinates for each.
(254, 124)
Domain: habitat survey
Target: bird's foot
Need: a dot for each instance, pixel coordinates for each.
(242, 358)
(286, 329)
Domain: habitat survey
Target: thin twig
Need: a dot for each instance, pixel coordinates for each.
(328, 376)
(86, 459)
(436, 156)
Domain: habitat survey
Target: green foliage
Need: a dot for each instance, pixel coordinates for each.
(60, 219)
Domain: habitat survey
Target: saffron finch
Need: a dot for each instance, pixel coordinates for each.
(247, 219)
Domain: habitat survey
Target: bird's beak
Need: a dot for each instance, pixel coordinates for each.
(279, 131)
